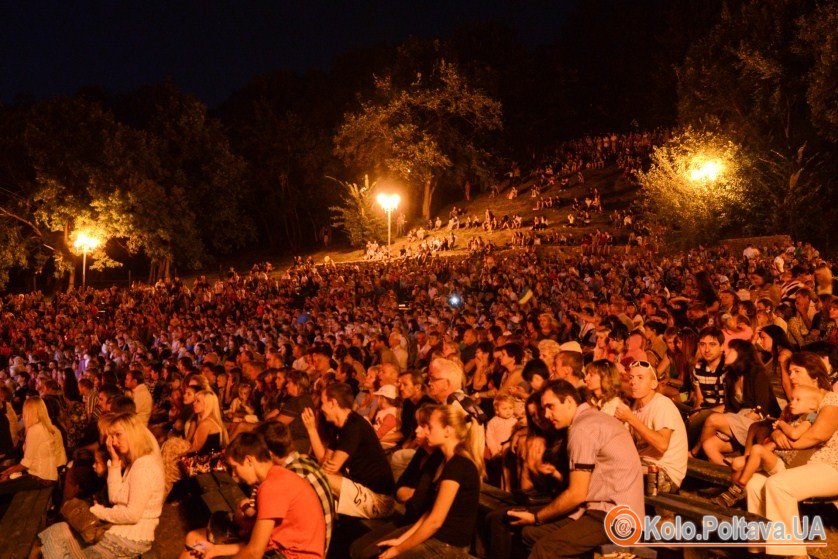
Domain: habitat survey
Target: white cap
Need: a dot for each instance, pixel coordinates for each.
(571, 346)
(388, 391)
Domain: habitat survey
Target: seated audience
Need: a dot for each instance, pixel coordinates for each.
(447, 525)
(136, 489)
(43, 451)
(289, 517)
(656, 426)
(357, 468)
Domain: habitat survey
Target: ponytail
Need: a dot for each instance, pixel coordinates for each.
(474, 445)
(469, 431)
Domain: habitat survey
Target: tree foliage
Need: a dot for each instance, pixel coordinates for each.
(153, 177)
(763, 78)
(679, 194)
(358, 214)
(420, 132)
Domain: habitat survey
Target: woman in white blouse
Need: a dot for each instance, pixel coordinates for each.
(43, 451)
(135, 490)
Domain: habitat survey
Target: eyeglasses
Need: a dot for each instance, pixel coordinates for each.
(644, 364)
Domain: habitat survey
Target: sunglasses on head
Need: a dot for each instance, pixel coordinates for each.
(644, 364)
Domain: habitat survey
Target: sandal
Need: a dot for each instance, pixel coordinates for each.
(729, 498)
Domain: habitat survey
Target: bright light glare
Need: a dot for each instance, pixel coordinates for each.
(388, 202)
(707, 171)
(86, 242)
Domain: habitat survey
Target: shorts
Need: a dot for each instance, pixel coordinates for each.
(739, 424)
(362, 502)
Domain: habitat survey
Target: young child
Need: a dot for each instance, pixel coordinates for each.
(86, 478)
(241, 404)
(804, 403)
(386, 421)
(499, 429)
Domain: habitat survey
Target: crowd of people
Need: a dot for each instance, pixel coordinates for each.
(354, 390)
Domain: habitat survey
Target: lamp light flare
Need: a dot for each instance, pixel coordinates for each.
(85, 242)
(388, 202)
(707, 171)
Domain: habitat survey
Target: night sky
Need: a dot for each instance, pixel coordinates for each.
(211, 49)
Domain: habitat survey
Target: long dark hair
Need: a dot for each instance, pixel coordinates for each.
(706, 291)
(533, 425)
(747, 363)
(779, 341)
(71, 386)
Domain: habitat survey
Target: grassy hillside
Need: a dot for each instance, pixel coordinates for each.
(615, 192)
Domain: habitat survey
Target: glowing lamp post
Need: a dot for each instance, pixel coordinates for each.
(388, 203)
(85, 243)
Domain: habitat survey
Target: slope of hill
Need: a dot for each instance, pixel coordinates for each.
(616, 192)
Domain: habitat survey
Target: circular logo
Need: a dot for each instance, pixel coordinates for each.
(623, 526)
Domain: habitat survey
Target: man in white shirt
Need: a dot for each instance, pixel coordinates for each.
(135, 382)
(398, 346)
(657, 427)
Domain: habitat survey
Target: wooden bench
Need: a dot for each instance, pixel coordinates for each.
(219, 492)
(492, 498)
(696, 509)
(705, 470)
(25, 517)
(719, 475)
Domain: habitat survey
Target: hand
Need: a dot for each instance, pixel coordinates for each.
(309, 421)
(112, 451)
(203, 550)
(524, 517)
(623, 413)
(549, 470)
(781, 439)
(392, 548)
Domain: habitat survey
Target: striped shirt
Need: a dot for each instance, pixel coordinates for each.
(710, 383)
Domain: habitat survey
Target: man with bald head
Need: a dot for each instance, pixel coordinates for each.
(445, 385)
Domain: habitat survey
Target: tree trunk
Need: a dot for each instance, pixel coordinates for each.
(71, 282)
(167, 267)
(427, 198)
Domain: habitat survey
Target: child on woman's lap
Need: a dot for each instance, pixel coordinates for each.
(765, 457)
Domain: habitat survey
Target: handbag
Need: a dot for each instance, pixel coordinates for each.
(77, 514)
(195, 464)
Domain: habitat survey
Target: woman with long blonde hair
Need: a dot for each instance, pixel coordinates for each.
(207, 436)
(43, 451)
(210, 434)
(135, 490)
(447, 527)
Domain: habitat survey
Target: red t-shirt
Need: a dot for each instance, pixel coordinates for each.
(288, 499)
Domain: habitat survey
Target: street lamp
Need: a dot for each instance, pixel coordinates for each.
(85, 243)
(388, 203)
